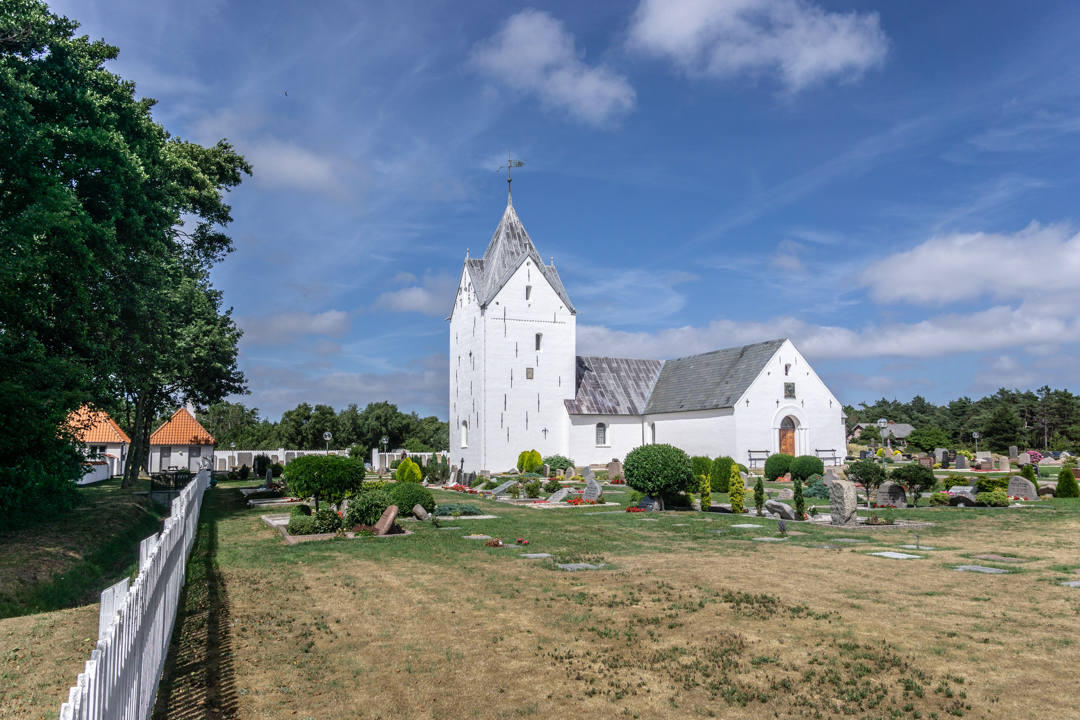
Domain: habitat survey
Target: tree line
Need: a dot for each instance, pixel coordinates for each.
(109, 227)
(302, 428)
(1043, 419)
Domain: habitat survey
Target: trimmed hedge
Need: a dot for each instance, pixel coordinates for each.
(777, 465)
(804, 466)
(658, 469)
(449, 509)
(406, 495)
(720, 474)
(301, 525)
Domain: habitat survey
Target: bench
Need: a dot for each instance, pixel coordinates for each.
(756, 456)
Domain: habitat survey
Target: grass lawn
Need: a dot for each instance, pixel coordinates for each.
(688, 617)
(51, 575)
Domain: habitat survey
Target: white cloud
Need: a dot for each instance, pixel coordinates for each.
(283, 328)
(625, 297)
(280, 164)
(967, 266)
(434, 296)
(533, 53)
(800, 42)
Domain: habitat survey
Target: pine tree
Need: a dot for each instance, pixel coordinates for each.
(736, 491)
(759, 495)
(1067, 486)
(800, 501)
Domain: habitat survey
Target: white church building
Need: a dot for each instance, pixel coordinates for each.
(517, 382)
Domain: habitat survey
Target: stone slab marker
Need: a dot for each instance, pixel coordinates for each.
(558, 495)
(843, 502)
(547, 470)
(830, 478)
(420, 513)
(961, 462)
(786, 494)
(1022, 487)
(1024, 459)
(387, 520)
(593, 490)
(588, 474)
(501, 490)
(891, 494)
(1014, 452)
(614, 468)
(783, 510)
(927, 461)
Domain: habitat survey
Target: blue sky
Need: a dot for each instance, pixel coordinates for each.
(892, 185)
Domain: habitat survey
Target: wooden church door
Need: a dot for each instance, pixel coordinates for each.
(787, 436)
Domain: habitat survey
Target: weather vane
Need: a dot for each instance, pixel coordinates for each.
(510, 164)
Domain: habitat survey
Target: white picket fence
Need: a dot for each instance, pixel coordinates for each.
(121, 678)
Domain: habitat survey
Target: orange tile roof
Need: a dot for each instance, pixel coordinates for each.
(182, 429)
(95, 427)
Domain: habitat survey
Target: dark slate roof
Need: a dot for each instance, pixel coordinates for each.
(612, 386)
(509, 247)
(710, 380)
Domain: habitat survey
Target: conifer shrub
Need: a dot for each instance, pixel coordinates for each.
(407, 495)
(759, 495)
(815, 488)
(736, 492)
(989, 484)
(939, 498)
(742, 468)
(997, 498)
(720, 474)
(552, 486)
(1067, 486)
(777, 465)
(706, 493)
(1028, 471)
(262, 464)
(277, 469)
(530, 461)
(408, 472)
(804, 466)
(245, 471)
(700, 466)
(658, 470)
(367, 507)
(799, 500)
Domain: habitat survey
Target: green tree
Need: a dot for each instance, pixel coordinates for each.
(777, 465)
(658, 470)
(1002, 429)
(382, 418)
(408, 471)
(759, 495)
(736, 492)
(928, 438)
(916, 478)
(800, 501)
(720, 474)
(530, 461)
(706, 493)
(867, 473)
(1067, 486)
(324, 477)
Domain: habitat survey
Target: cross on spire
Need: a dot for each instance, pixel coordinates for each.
(510, 164)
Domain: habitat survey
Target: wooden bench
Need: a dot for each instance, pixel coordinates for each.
(756, 456)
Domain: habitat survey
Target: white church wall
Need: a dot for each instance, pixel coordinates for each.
(701, 432)
(622, 433)
(466, 377)
(817, 413)
(522, 408)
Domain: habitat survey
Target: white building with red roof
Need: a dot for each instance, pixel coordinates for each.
(105, 445)
(179, 443)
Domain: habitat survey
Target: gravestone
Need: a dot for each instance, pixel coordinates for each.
(420, 513)
(592, 490)
(962, 499)
(560, 473)
(962, 489)
(547, 470)
(501, 490)
(945, 462)
(614, 469)
(512, 471)
(927, 461)
(891, 494)
(783, 510)
(1023, 459)
(961, 462)
(453, 477)
(939, 453)
(269, 478)
(558, 495)
(588, 474)
(842, 502)
(863, 454)
(830, 478)
(386, 522)
(786, 494)
(952, 456)
(984, 455)
(472, 479)
(344, 509)
(1014, 452)
(1022, 487)
(1049, 488)
(648, 503)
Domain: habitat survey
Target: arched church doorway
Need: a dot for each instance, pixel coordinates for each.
(787, 435)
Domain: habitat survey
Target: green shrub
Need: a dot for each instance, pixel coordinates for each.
(552, 486)
(742, 468)
(327, 521)
(777, 465)
(529, 461)
(800, 501)
(245, 471)
(559, 462)
(532, 488)
(939, 498)
(277, 469)
(700, 465)
(759, 495)
(720, 474)
(406, 495)
(408, 472)
(815, 488)
(915, 478)
(804, 466)
(301, 525)
(1067, 486)
(736, 492)
(489, 485)
(997, 498)
(539, 475)
(706, 493)
(395, 463)
(635, 497)
(1028, 471)
(451, 509)
(304, 509)
(985, 484)
(262, 464)
(868, 473)
(367, 507)
(658, 469)
(324, 477)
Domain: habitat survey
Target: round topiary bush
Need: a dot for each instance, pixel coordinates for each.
(367, 507)
(276, 469)
(804, 466)
(407, 495)
(657, 470)
(777, 465)
(1067, 486)
(408, 472)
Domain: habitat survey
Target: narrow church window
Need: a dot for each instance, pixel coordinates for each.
(601, 434)
(500, 420)
(528, 292)
(515, 349)
(787, 369)
(539, 337)
(526, 419)
(528, 373)
(511, 378)
(537, 402)
(507, 434)
(504, 401)
(464, 434)
(652, 433)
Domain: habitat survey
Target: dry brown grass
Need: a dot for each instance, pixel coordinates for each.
(730, 631)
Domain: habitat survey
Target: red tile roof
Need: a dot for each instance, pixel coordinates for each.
(182, 429)
(95, 427)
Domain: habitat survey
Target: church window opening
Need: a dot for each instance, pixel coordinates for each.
(601, 434)
(528, 292)
(515, 349)
(464, 434)
(789, 390)
(787, 369)
(504, 402)
(528, 373)
(652, 433)
(539, 337)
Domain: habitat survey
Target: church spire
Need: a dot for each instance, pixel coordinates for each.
(509, 165)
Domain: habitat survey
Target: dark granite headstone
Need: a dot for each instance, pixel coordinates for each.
(961, 462)
(648, 503)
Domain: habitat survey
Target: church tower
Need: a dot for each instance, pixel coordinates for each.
(513, 337)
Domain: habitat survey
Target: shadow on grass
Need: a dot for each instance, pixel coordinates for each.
(199, 680)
